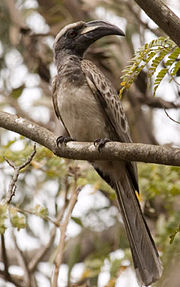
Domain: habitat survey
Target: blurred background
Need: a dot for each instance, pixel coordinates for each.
(96, 251)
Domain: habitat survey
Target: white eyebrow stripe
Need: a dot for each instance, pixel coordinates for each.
(64, 30)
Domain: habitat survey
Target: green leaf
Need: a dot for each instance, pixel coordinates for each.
(40, 210)
(156, 61)
(16, 93)
(172, 57)
(175, 68)
(159, 78)
(77, 220)
(172, 236)
(115, 267)
(151, 56)
(18, 221)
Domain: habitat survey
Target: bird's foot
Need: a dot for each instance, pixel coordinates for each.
(63, 140)
(100, 143)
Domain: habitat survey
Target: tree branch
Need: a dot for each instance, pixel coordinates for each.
(15, 14)
(22, 262)
(15, 279)
(5, 258)
(157, 102)
(163, 17)
(87, 151)
(17, 169)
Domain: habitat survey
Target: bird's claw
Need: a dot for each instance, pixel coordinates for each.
(63, 140)
(100, 143)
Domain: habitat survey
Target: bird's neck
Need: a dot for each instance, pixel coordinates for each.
(69, 68)
(67, 62)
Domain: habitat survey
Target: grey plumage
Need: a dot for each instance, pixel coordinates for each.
(89, 108)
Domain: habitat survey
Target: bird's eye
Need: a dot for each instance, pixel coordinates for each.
(72, 34)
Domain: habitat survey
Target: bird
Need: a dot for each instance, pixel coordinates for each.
(90, 110)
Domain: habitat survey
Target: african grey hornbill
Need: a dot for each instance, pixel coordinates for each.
(90, 109)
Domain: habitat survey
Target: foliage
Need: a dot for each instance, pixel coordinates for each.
(161, 53)
(17, 221)
(3, 216)
(172, 236)
(157, 180)
(161, 186)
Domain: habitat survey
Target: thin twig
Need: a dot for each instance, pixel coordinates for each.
(63, 227)
(12, 185)
(22, 262)
(31, 212)
(5, 258)
(156, 102)
(177, 122)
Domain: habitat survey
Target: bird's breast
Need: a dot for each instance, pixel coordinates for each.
(80, 112)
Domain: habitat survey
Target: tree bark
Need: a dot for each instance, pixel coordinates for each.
(163, 17)
(88, 151)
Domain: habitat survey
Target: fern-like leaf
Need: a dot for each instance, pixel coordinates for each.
(152, 55)
(175, 68)
(159, 78)
(172, 57)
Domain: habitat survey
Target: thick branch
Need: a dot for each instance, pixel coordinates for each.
(87, 151)
(163, 17)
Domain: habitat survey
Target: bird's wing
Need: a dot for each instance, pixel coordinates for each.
(106, 94)
(55, 88)
(55, 85)
(108, 97)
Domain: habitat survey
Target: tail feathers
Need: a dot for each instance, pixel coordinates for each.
(145, 256)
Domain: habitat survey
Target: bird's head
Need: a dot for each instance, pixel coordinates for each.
(77, 37)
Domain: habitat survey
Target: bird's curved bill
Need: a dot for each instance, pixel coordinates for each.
(101, 28)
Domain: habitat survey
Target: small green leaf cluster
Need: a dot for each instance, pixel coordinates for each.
(16, 156)
(151, 55)
(157, 180)
(3, 216)
(40, 211)
(172, 236)
(17, 219)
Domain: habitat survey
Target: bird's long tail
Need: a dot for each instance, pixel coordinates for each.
(145, 256)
